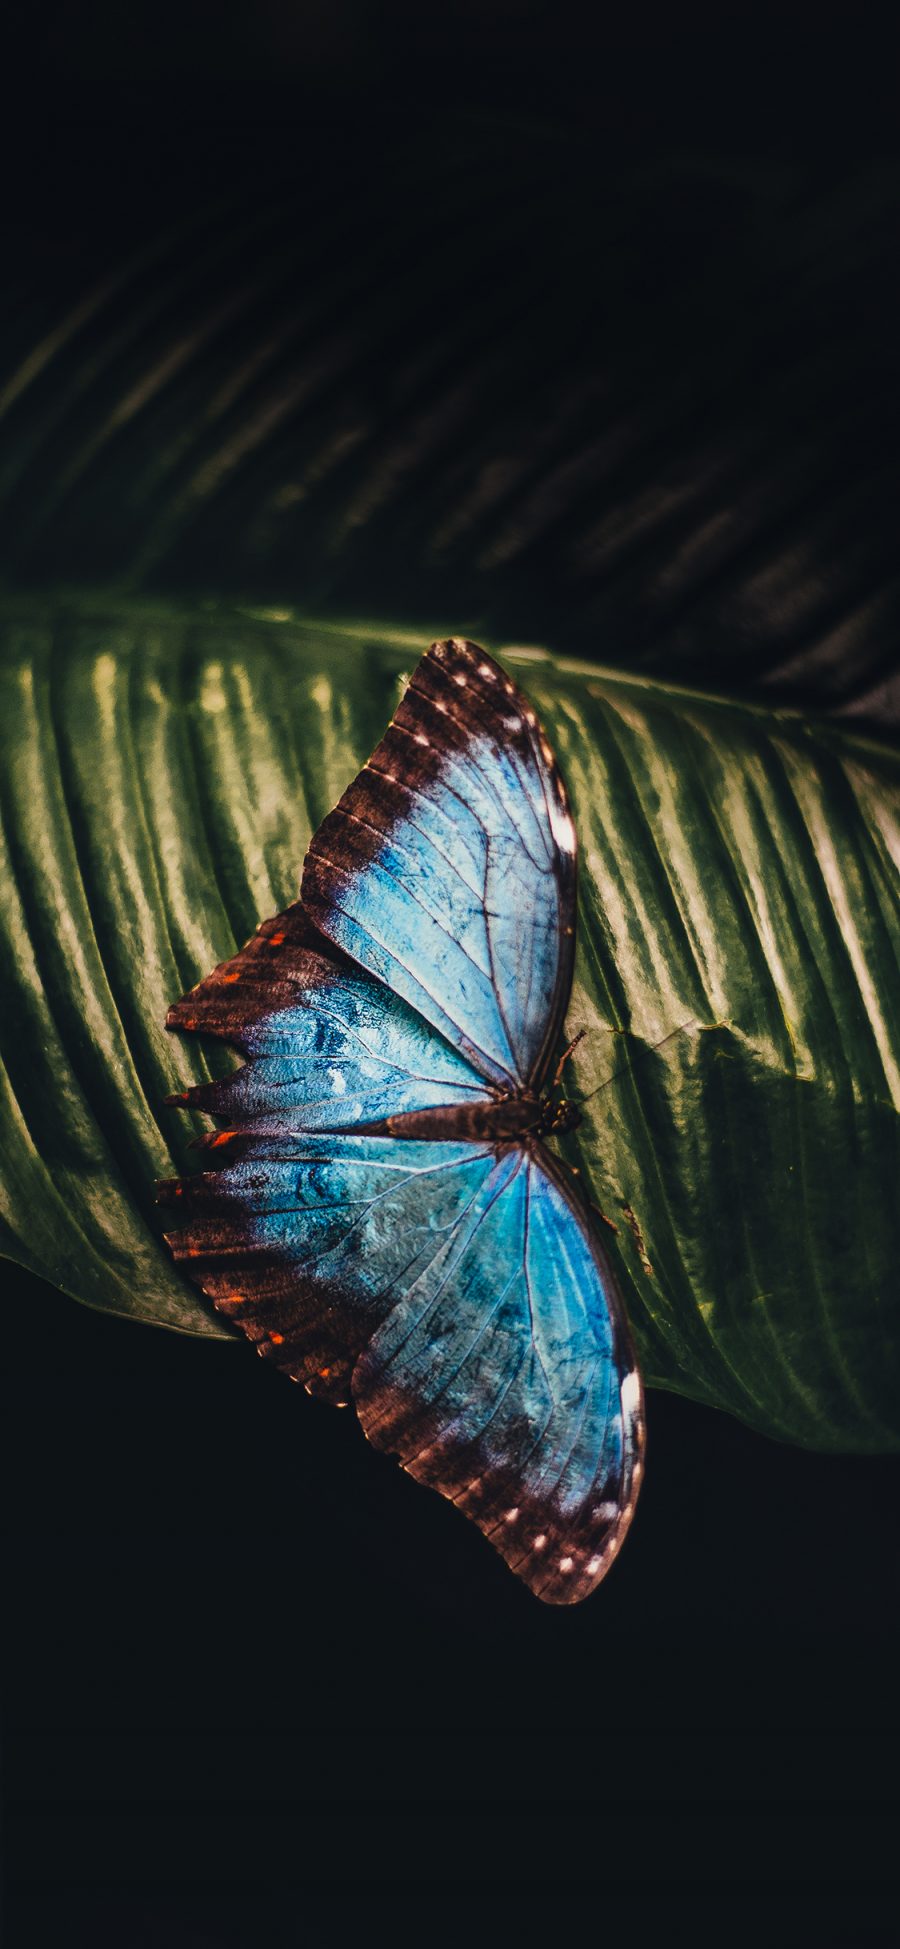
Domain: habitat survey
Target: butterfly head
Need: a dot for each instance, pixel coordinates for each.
(557, 1115)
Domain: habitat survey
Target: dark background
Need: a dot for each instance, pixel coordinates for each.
(258, 1686)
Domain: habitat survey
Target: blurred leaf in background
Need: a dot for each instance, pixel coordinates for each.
(637, 406)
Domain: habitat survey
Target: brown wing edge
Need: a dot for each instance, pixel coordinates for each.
(285, 953)
(289, 1321)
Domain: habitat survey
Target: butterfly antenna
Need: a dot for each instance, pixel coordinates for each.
(681, 1030)
(565, 1057)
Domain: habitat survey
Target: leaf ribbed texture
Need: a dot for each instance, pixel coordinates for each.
(162, 772)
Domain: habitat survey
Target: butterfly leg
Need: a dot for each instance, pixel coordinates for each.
(607, 1221)
(565, 1057)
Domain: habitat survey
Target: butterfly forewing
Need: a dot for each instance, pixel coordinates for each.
(448, 867)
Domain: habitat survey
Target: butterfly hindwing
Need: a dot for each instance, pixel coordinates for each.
(306, 1242)
(513, 1388)
(458, 1294)
(448, 867)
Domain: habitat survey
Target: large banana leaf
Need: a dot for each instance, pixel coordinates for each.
(161, 774)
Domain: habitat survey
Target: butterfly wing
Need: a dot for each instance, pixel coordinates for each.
(329, 1048)
(513, 1388)
(306, 1241)
(457, 1292)
(447, 869)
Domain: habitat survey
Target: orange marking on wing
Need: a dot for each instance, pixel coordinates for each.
(234, 975)
(221, 1137)
(276, 939)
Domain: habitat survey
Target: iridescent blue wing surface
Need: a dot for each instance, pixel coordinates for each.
(448, 867)
(509, 1382)
(457, 1292)
(329, 1048)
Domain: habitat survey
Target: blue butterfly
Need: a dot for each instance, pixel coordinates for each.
(385, 1220)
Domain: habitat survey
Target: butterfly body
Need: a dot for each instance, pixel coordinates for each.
(522, 1117)
(383, 1216)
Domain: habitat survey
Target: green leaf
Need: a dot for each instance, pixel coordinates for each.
(161, 774)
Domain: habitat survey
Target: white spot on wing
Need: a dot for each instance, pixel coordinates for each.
(561, 827)
(566, 1564)
(631, 1392)
(539, 1542)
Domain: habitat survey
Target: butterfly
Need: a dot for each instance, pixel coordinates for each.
(383, 1217)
